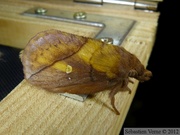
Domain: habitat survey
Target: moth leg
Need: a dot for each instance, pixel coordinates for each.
(118, 87)
(128, 89)
(124, 85)
(112, 97)
(131, 81)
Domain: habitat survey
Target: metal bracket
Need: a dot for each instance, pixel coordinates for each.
(111, 27)
(81, 97)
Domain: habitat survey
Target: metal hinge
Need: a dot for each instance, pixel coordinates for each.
(147, 5)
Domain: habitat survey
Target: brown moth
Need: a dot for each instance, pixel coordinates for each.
(64, 62)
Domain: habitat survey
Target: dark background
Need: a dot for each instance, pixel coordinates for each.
(156, 103)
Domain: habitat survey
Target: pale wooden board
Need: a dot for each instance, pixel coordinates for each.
(30, 110)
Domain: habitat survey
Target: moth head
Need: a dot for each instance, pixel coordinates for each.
(144, 76)
(140, 73)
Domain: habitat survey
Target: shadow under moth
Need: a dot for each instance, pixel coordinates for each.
(62, 62)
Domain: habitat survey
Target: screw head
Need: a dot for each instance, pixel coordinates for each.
(107, 40)
(40, 11)
(80, 15)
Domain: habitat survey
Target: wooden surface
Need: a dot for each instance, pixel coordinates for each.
(28, 110)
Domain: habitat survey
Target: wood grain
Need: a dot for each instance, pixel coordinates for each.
(30, 110)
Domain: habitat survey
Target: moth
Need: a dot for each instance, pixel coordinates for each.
(63, 62)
